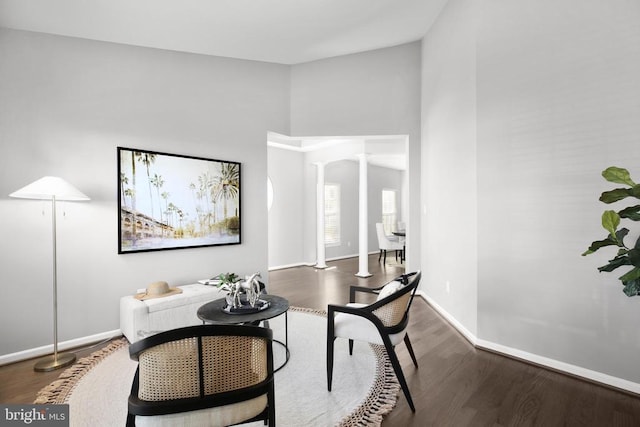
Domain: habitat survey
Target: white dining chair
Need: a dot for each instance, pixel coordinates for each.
(385, 243)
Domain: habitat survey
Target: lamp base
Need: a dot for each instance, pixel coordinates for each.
(53, 362)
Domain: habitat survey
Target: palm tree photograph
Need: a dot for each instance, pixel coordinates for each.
(171, 201)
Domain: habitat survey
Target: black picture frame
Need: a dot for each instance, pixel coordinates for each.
(172, 201)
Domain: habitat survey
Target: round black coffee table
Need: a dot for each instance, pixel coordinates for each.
(212, 312)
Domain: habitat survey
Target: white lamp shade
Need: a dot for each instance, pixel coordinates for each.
(47, 187)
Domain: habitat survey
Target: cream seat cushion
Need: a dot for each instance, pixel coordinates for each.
(360, 329)
(219, 416)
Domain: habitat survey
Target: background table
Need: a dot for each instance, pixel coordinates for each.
(403, 234)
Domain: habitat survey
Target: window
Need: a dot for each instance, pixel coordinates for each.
(332, 214)
(389, 211)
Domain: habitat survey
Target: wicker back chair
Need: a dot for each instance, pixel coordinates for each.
(208, 375)
(383, 322)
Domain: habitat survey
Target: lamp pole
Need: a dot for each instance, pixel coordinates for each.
(61, 360)
(54, 225)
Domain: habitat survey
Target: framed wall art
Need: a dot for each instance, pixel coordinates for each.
(171, 201)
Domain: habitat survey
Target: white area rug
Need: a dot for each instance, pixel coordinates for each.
(364, 386)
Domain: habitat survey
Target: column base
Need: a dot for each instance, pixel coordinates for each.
(365, 274)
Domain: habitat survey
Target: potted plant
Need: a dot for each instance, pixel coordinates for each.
(230, 282)
(625, 256)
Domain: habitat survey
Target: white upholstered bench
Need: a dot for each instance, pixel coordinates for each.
(139, 319)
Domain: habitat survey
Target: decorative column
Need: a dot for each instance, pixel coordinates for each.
(320, 248)
(363, 220)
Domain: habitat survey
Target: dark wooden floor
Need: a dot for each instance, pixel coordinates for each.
(456, 385)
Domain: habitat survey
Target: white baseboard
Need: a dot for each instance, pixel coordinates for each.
(452, 320)
(555, 365)
(313, 263)
(350, 256)
(62, 346)
(282, 267)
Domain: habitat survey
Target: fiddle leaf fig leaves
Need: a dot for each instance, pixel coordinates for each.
(609, 241)
(599, 244)
(631, 288)
(634, 257)
(618, 175)
(632, 213)
(633, 274)
(620, 235)
(610, 222)
(615, 263)
(615, 195)
(635, 191)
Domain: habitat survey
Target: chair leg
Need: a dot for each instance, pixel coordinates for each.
(398, 370)
(271, 401)
(350, 347)
(385, 257)
(380, 255)
(330, 340)
(135, 387)
(407, 341)
(329, 362)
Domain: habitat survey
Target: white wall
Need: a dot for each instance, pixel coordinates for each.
(449, 183)
(345, 173)
(286, 217)
(556, 102)
(65, 105)
(370, 93)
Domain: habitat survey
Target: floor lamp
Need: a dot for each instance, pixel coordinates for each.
(54, 189)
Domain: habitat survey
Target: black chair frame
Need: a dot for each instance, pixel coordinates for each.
(147, 408)
(411, 282)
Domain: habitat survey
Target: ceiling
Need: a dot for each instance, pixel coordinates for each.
(279, 31)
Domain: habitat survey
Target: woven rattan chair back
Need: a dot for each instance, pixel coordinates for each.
(172, 370)
(245, 357)
(394, 311)
(202, 367)
(169, 371)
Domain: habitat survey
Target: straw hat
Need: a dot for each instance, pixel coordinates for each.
(158, 290)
